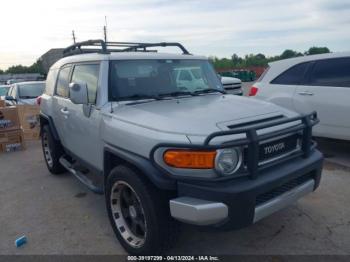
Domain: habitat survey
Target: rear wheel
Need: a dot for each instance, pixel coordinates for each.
(139, 213)
(52, 151)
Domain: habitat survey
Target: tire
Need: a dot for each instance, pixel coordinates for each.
(159, 229)
(52, 151)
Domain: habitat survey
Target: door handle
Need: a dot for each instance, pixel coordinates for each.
(65, 111)
(306, 93)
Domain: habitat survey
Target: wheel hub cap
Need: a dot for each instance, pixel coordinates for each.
(128, 214)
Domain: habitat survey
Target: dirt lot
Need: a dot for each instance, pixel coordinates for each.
(60, 216)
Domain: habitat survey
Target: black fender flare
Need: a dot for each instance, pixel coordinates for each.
(47, 119)
(156, 176)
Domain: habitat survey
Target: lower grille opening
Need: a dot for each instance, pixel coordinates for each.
(260, 199)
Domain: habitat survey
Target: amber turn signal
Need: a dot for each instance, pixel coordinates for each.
(190, 159)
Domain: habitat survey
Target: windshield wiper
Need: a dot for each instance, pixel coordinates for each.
(177, 93)
(140, 97)
(209, 90)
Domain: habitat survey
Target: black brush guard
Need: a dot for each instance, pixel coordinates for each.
(252, 140)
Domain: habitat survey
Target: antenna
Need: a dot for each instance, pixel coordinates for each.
(73, 35)
(105, 29)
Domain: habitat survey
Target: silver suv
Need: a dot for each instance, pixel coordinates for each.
(117, 116)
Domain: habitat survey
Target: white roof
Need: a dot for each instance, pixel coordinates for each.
(123, 56)
(296, 60)
(282, 65)
(29, 83)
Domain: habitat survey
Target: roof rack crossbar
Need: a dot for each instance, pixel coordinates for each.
(107, 47)
(77, 47)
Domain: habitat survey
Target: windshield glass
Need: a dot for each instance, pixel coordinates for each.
(137, 79)
(32, 90)
(3, 90)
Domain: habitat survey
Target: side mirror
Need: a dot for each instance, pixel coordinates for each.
(219, 76)
(10, 98)
(78, 93)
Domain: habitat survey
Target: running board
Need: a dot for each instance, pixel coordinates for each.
(81, 177)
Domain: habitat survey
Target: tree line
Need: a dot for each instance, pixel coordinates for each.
(234, 62)
(260, 59)
(20, 69)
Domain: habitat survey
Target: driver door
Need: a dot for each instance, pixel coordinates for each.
(79, 132)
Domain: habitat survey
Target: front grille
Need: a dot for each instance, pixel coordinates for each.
(276, 149)
(260, 199)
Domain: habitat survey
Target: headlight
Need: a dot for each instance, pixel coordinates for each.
(228, 160)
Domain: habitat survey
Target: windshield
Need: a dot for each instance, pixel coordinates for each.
(3, 90)
(137, 79)
(33, 90)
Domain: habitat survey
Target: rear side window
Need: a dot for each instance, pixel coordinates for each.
(63, 82)
(292, 76)
(87, 74)
(331, 72)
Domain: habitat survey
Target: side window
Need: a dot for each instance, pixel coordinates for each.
(87, 74)
(292, 76)
(185, 76)
(62, 88)
(331, 72)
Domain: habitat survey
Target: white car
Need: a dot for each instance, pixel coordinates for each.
(318, 83)
(25, 93)
(232, 85)
(190, 79)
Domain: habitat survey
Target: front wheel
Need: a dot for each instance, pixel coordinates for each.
(138, 212)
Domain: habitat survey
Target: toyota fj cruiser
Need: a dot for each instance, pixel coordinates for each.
(161, 150)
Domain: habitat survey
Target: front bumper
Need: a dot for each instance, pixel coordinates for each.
(240, 202)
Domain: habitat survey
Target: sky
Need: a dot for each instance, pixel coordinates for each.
(206, 27)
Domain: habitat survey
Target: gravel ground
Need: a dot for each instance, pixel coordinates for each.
(60, 216)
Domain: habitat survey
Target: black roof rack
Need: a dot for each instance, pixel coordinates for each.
(100, 46)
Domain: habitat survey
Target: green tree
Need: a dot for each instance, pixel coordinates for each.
(37, 67)
(317, 50)
(17, 69)
(236, 60)
(289, 53)
(20, 69)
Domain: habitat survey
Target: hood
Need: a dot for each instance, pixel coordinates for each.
(199, 115)
(230, 80)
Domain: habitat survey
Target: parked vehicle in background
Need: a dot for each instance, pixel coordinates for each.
(162, 150)
(232, 85)
(242, 74)
(311, 83)
(14, 81)
(189, 79)
(3, 90)
(25, 93)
